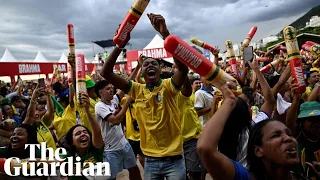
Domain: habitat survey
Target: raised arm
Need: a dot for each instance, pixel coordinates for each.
(244, 75)
(315, 92)
(97, 139)
(49, 115)
(118, 118)
(217, 164)
(292, 113)
(131, 77)
(282, 80)
(159, 24)
(31, 111)
(216, 56)
(72, 86)
(269, 100)
(107, 70)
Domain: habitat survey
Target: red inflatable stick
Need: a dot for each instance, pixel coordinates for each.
(71, 49)
(81, 79)
(271, 65)
(232, 59)
(289, 34)
(198, 63)
(71, 39)
(130, 20)
(250, 35)
(203, 45)
(263, 59)
(312, 47)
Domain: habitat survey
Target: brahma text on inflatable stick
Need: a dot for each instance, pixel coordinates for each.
(232, 59)
(81, 78)
(71, 40)
(198, 63)
(289, 34)
(250, 35)
(130, 20)
(271, 65)
(203, 45)
(313, 47)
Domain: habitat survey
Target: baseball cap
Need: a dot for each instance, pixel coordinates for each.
(309, 109)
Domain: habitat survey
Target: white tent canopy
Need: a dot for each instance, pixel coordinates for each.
(8, 57)
(158, 42)
(40, 58)
(63, 58)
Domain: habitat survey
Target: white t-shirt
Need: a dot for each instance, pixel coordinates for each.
(113, 136)
(203, 99)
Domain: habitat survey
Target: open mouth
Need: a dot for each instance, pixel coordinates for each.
(291, 149)
(151, 73)
(15, 141)
(83, 139)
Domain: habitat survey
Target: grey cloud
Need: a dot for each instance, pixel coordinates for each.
(32, 25)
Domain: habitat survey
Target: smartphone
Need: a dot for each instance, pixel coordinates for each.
(41, 83)
(247, 55)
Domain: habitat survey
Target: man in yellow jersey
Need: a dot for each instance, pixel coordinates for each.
(157, 111)
(41, 123)
(312, 78)
(191, 129)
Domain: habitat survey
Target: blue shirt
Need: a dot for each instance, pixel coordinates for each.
(241, 173)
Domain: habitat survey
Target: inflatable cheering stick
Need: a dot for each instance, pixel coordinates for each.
(130, 20)
(314, 48)
(232, 59)
(289, 34)
(71, 49)
(203, 45)
(71, 39)
(198, 63)
(262, 59)
(271, 65)
(250, 35)
(81, 79)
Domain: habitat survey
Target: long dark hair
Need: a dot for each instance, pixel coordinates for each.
(255, 163)
(238, 120)
(32, 139)
(68, 140)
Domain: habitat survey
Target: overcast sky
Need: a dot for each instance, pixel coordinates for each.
(29, 26)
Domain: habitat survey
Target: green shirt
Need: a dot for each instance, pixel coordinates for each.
(308, 151)
(94, 156)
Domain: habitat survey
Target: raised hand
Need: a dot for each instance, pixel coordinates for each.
(72, 61)
(125, 41)
(216, 51)
(159, 24)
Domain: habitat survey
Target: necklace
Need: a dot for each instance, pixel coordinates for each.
(308, 138)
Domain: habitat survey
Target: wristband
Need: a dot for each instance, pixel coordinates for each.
(33, 102)
(119, 47)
